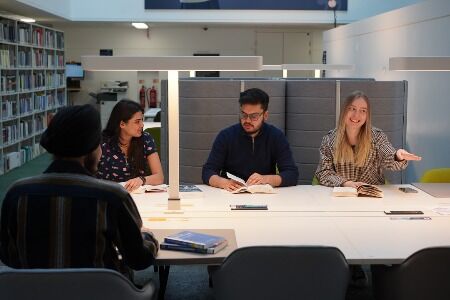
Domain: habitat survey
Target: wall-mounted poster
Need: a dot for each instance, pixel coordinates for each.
(246, 4)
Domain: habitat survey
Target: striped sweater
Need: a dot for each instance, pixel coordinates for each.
(69, 219)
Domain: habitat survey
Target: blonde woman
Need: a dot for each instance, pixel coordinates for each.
(356, 153)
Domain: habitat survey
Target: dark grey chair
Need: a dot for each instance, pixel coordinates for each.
(70, 284)
(423, 275)
(282, 272)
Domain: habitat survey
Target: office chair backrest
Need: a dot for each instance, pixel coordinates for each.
(441, 175)
(278, 272)
(69, 284)
(423, 275)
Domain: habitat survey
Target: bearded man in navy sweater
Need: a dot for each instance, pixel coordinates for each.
(252, 149)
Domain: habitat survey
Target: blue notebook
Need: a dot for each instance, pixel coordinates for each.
(212, 250)
(194, 239)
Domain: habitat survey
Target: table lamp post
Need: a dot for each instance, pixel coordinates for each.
(172, 64)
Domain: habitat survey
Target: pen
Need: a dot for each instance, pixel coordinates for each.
(410, 218)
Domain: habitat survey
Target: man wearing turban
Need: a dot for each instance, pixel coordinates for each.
(66, 218)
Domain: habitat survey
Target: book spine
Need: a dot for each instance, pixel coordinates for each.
(185, 243)
(186, 249)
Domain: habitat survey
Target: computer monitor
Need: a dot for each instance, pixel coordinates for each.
(74, 71)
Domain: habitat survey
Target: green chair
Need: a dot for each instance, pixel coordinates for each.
(315, 181)
(155, 132)
(441, 175)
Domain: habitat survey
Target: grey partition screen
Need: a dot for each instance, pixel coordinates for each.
(206, 107)
(304, 109)
(310, 114)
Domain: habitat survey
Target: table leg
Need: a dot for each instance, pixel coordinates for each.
(163, 278)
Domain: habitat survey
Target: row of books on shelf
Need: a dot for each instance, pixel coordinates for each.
(24, 35)
(16, 158)
(8, 83)
(43, 102)
(9, 108)
(7, 31)
(10, 133)
(41, 59)
(7, 59)
(26, 128)
(59, 40)
(26, 82)
(37, 36)
(190, 241)
(25, 59)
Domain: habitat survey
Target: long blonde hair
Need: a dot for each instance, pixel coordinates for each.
(343, 152)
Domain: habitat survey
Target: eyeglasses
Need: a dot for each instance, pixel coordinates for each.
(252, 117)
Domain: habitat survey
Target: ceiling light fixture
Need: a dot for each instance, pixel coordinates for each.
(28, 20)
(420, 63)
(140, 25)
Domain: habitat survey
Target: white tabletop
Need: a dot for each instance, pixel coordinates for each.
(309, 215)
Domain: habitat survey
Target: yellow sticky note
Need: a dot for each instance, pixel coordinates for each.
(156, 219)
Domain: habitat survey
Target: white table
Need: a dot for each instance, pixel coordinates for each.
(309, 215)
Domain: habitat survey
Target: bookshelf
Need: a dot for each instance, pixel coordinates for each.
(32, 87)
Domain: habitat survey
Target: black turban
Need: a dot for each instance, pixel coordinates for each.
(73, 132)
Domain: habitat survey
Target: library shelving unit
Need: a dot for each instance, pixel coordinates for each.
(32, 87)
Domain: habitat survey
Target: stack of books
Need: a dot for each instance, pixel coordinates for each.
(194, 242)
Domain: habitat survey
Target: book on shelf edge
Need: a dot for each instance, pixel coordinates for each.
(177, 247)
(194, 239)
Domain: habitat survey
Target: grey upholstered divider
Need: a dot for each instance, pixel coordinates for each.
(388, 101)
(310, 114)
(304, 109)
(206, 107)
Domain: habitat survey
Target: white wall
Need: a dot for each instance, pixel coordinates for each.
(165, 41)
(418, 30)
(59, 8)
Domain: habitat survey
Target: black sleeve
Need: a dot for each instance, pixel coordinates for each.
(138, 249)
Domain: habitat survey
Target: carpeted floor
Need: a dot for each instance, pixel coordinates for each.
(31, 168)
(185, 282)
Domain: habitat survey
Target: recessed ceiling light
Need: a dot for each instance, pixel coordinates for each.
(140, 25)
(27, 20)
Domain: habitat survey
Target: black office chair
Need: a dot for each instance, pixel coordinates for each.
(70, 284)
(282, 272)
(423, 275)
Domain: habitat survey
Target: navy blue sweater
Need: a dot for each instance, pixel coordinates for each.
(238, 153)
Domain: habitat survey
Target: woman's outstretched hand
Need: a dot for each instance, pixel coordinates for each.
(402, 154)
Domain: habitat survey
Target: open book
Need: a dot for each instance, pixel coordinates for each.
(365, 190)
(255, 188)
(149, 188)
